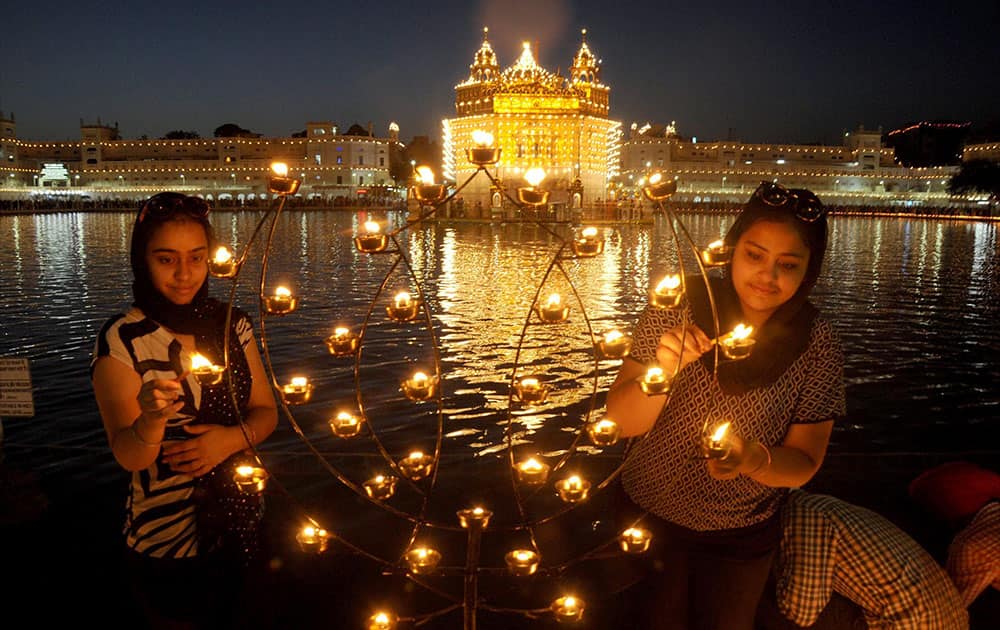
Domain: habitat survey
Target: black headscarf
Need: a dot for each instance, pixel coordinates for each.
(785, 335)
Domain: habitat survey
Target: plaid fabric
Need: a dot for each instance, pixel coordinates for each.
(831, 545)
(974, 554)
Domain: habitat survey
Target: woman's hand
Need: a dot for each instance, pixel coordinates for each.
(158, 400)
(681, 344)
(200, 454)
(744, 457)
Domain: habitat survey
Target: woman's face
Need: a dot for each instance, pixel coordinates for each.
(769, 263)
(177, 257)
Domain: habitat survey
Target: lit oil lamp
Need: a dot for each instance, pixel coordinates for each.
(382, 620)
(281, 303)
(668, 293)
(531, 195)
(483, 153)
(717, 445)
(420, 386)
(345, 425)
(530, 390)
(343, 342)
(716, 254)
(587, 243)
(634, 540)
(553, 311)
(614, 344)
(568, 609)
(522, 561)
(427, 192)
(604, 432)
(654, 382)
(312, 539)
(279, 182)
(298, 391)
(532, 471)
(250, 479)
(573, 489)
(659, 188)
(738, 343)
(423, 559)
(205, 371)
(404, 307)
(371, 240)
(416, 465)
(475, 517)
(380, 487)
(222, 264)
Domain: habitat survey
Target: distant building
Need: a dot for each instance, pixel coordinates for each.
(929, 143)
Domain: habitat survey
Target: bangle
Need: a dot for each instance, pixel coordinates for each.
(764, 464)
(139, 438)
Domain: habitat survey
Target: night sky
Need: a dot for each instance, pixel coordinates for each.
(795, 71)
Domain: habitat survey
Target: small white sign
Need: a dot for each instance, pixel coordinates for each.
(15, 388)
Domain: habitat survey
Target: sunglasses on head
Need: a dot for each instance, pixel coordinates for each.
(165, 205)
(807, 209)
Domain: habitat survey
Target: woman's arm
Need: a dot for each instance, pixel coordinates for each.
(790, 465)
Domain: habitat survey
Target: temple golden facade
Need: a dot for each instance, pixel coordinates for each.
(538, 119)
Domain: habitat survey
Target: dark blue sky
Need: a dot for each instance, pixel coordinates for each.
(789, 71)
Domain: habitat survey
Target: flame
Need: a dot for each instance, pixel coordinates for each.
(280, 169)
(372, 227)
(402, 299)
(244, 471)
(223, 255)
(720, 432)
(606, 426)
(478, 511)
(340, 331)
(554, 301)
(416, 455)
(636, 534)
(589, 232)
(482, 138)
(716, 244)
(612, 336)
(425, 174)
(669, 283)
(531, 465)
(379, 478)
(654, 375)
(199, 362)
(524, 555)
(741, 332)
(534, 176)
(419, 379)
(346, 418)
(573, 483)
(529, 382)
(655, 178)
(299, 381)
(282, 292)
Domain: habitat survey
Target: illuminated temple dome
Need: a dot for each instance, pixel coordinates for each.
(538, 118)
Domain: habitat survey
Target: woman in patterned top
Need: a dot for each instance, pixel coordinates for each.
(188, 531)
(717, 520)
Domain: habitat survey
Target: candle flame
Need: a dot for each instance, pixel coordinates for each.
(482, 138)
(523, 555)
(529, 382)
(669, 283)
(720, 432)
(654, 374)
(589, 232)
(554, 301)
(280, 169)
(531, 465)
(282, 292)
(741, 332)
(716, 244)
(574, 483)
(416, 455)
(299, 381)
(419, 378)
(655, 178)
(478, 511)
(534, 176)
(425, 174)
(569, 601)
(244, 471)
(345, 417)
(309, 531)
(223, 255)
(606, 425)
(613, 336)
(402, 299)
(199, 362)
(372, 227)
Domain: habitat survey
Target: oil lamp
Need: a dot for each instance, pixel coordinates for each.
(416, 465)
(420, 386)
(530, 390)
(297, 392)
(483, 153)
(343, 342)
(522, 561)
(658, 188)
(587, 243)
(312, 539)
(668, 293)
(427, 192)
(404, 307)
(380, 487)
(345, 425)
(279, 182)
(553, 311)
(717, 254)
(531, 195)
(532, 472)
(475, 517)
(654, 382)
(568, 609)
(281, 303)
(205, 371)
(371, 239)
(614, 344)
(222, 264)
(738, 343)
(573, 489)
(604, 432)
(717, 445)
(422, 559)
(634, 540)
(382, 620)
(250, 479)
